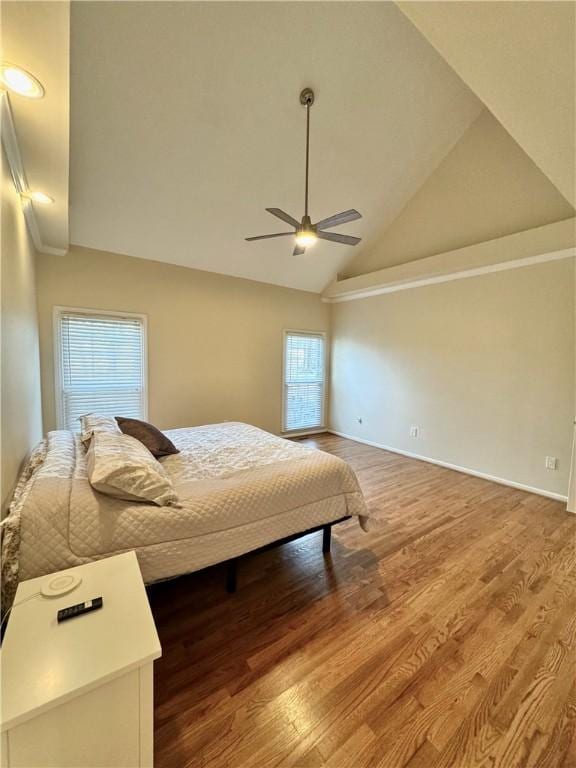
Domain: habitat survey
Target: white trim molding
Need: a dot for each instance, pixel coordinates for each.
(455, 467)
(378, 290)
(14, 158)
(303, 433)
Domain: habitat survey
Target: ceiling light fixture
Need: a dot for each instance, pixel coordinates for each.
(42, 198)
(20, 81)
(39, 197)
(306, 233)
(306, 237)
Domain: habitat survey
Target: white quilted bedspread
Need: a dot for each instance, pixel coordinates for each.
(239, 488)
(223, 449)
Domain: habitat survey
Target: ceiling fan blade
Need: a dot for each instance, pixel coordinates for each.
(334, 237)
(284, 216)
(265, 237)
(298, 250)
(339, 218)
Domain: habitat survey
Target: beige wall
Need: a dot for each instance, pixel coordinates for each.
(21, 410)
(485, 188)
(214, 342)
(484, 366)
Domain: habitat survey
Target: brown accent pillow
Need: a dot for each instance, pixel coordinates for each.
(156, 442)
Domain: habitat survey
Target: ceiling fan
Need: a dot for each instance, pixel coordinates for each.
(307, 233)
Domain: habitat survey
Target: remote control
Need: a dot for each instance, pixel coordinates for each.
(77, 610)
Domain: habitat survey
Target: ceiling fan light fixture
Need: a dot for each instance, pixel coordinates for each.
(305, 232)
(20, 81)
(306, 238)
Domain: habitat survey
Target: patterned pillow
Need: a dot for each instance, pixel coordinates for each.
(93, 422)
(120, 466)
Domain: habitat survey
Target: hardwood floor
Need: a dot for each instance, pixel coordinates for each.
(445, 637)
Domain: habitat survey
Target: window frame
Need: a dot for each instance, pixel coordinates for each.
(299, 332)
(57, 313)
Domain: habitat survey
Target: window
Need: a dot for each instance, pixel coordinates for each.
(100, 365)
(304, 380)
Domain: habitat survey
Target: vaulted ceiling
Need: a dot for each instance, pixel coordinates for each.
(186, 125)
(486, 188)
(185, 121)
(520, 59)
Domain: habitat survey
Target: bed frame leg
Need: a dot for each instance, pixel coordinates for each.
(231, 568)
(326, 538)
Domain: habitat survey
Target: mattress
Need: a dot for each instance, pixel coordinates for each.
(239, 488)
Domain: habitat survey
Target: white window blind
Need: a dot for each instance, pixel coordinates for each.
(101, 366)
(304, 380)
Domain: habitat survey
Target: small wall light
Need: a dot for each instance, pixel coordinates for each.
(20, 81)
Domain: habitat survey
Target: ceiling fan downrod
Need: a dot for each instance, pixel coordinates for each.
(307, 99)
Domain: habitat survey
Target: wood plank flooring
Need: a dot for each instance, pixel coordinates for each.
(444, 638)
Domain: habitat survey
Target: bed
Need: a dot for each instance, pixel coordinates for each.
(240, 488)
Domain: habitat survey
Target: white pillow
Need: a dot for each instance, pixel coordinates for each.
(120, 466)
(94, 422)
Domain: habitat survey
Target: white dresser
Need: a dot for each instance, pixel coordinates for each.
(80, 693)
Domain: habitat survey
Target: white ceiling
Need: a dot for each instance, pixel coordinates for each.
(185, 125)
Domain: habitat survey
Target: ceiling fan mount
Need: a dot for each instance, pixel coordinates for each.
(307, 97)
(306, 233)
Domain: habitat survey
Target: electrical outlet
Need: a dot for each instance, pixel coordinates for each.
(414, 431)
(551, 462)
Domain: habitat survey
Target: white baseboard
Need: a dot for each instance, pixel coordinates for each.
(303, 433)
(456, 467)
